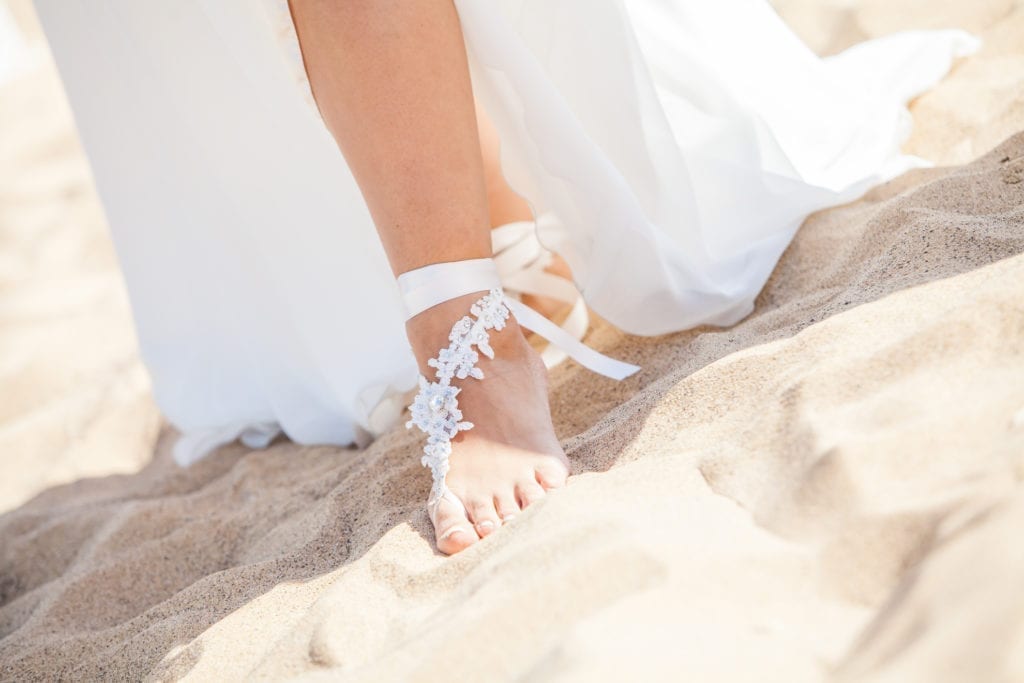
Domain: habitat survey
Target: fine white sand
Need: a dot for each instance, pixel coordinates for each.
(829, 490)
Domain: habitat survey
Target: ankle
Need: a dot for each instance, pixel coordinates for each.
(428, 331)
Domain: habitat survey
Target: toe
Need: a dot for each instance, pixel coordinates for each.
(506, 506)
(528, 492)
(552, 475)
(483, 515)
(454, 532)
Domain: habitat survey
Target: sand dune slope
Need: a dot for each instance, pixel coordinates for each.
(829, 490)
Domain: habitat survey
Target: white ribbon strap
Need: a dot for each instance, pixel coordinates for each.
(430, 285)
(577, 350)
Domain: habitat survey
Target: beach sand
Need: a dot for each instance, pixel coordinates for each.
(829, 490)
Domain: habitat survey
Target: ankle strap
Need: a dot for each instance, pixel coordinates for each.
(430, 285)
(436, 283)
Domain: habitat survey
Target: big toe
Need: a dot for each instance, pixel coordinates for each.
(453, 530)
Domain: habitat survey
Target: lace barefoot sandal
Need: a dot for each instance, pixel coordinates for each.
(435, 410)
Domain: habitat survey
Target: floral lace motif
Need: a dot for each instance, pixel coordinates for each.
(435, 410)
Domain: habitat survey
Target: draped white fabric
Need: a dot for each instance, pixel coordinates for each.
(673, 147)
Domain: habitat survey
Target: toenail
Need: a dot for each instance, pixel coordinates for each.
(451, 531)
(486, 524)
(507, 518)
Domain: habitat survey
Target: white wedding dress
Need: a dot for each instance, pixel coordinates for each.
(673, 148)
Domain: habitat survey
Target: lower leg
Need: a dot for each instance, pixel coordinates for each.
(392, 82)
(385, 77)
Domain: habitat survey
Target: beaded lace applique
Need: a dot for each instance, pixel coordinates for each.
(435, 410)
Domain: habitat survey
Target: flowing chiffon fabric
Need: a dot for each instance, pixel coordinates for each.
(672, 147)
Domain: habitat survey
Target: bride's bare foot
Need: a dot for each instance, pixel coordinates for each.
(511, 456)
